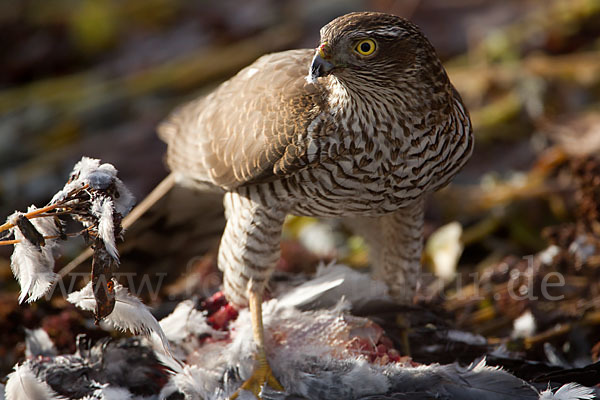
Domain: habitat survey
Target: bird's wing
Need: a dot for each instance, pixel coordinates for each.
(251, 129)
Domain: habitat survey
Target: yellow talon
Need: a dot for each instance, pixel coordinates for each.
(261, 376)
(262, 373)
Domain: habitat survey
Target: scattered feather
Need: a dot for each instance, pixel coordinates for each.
(320, 364)
(33, 265)
(444, 248)
(312, 353)
(524, 326)
(129, 314)
(331, 283)
(192, 383)
(106, 392)
(95, 197)
(24, 385)
(125, 201)
(38, 343)
(107, 369)
(89, 171)
(311, 290)
(102, 208)
(102, 176)
(85, 166)
(77, 180)
(556, 357)
(185, 321)
(569, 391)
(472, 339)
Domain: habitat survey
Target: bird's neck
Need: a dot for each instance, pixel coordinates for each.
(366, 105)
(339, 97)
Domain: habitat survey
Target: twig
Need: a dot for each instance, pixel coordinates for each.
(32, 214)
(545, 336)
(50, 207)
(17, 241)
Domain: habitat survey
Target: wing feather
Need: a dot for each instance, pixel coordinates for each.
(251, 129)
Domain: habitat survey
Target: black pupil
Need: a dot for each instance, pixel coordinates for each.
(365, 47)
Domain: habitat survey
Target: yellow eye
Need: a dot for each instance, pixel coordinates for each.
(365, 47)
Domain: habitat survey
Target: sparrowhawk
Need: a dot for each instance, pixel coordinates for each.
(364, 127)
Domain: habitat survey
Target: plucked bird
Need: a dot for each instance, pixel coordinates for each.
(363, 127)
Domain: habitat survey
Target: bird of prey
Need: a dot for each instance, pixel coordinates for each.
(364, 126)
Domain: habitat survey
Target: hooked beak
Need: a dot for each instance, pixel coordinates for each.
(321, 66)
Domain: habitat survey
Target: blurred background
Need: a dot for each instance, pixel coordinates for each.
(94, 77)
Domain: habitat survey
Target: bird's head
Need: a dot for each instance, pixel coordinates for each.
(377, 48)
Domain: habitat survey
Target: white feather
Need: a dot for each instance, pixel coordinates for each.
(107, 169)
(466, 337)
(524, 326)
(569, 391)
(80, 171)
(444, 248)
(129, 314)
(184, 321)
(68, 188)
(102, 208)
(331, 283)
(125, 200)
(311, 290)
(124, 203)
(33, 267)
(38, 343)
(24, 385)
(106, 392)
(85, 166)
(372, 380)
(193, 383)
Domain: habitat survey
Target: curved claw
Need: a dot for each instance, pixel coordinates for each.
(261, 376)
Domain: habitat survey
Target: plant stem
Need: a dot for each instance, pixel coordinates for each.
(29, 215)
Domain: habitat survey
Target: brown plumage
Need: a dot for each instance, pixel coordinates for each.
(364, 130)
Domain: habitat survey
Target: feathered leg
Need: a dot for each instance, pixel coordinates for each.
(396, 243)
(400, 251)
(249, 250)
